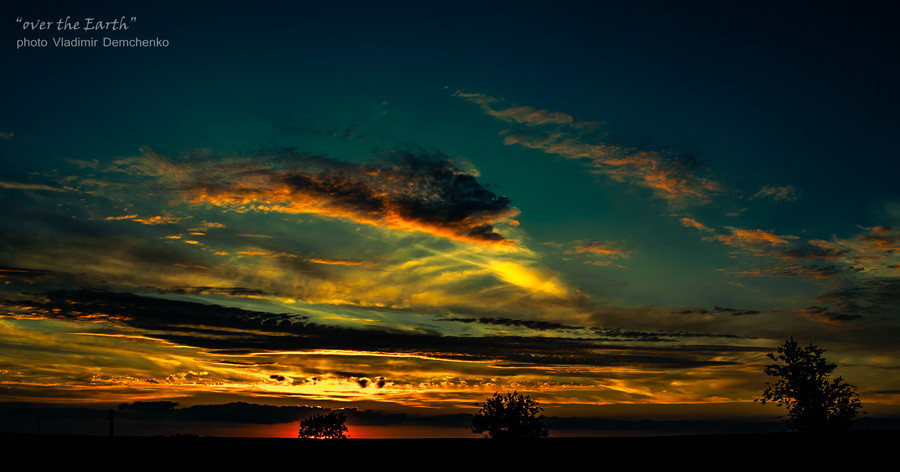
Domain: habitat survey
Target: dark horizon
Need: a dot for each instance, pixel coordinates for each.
(229, 420)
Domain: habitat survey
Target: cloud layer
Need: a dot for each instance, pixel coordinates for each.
(407, 191)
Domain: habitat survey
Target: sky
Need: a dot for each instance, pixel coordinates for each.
(220, 218)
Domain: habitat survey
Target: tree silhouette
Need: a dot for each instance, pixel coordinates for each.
(324, 426)
(814, 402)
(510, 416)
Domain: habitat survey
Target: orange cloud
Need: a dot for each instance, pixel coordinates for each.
(754, 240)
(674, 179)
(523, 114)
(881, 238)
(153, 220)
(350, 262)
(692, 223)
(21, 186)
(413, 192)
(611, 249)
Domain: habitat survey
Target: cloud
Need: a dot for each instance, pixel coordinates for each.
(411, 191)
(313, 261)
(872, 253)
(24, 186)
(779, 194)
(6, 135)
(611, 249)
(822, 314)
(607, 251)
(881, 238)
(523, 114)
(232, 331)
(293, 258)
(860, 274)
(735, 311)
(153, 220)
(862, 298)
(610, 334)
(9, 275)
(692, 223)
(348, 262)
(790, 256)
(754, 240)
(676, 179)
(536, 325)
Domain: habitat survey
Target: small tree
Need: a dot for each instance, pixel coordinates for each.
(814, 402)
(324, 426)
(510, 416)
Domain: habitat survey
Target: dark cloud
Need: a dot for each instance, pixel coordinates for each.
(808, 251)
(824, 314)
(811, 271)
(24, 272)
(530, 324)
(866, 298)
(30, 276)
(659, 335)
(99, 253)
(407, 190)
(229, 330)
(735, 311)
(610, 333)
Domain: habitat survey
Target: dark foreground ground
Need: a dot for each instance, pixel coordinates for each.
(773, 451)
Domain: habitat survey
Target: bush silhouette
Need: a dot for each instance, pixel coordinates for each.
(814, 402)
(510, 416)
(324, 426)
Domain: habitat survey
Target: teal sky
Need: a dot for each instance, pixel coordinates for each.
(618, 209)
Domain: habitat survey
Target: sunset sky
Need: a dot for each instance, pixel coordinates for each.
(617, 208)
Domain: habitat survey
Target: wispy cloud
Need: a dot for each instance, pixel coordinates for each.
(613, 249)
(523, 114)
(755, 240)
(153, 220)
(859, 273)
(874, 252)
(678, 179)
(607, 251)
(779, 194)
(863, 298)
(27, 186)
(692, 223)
(348, 262)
